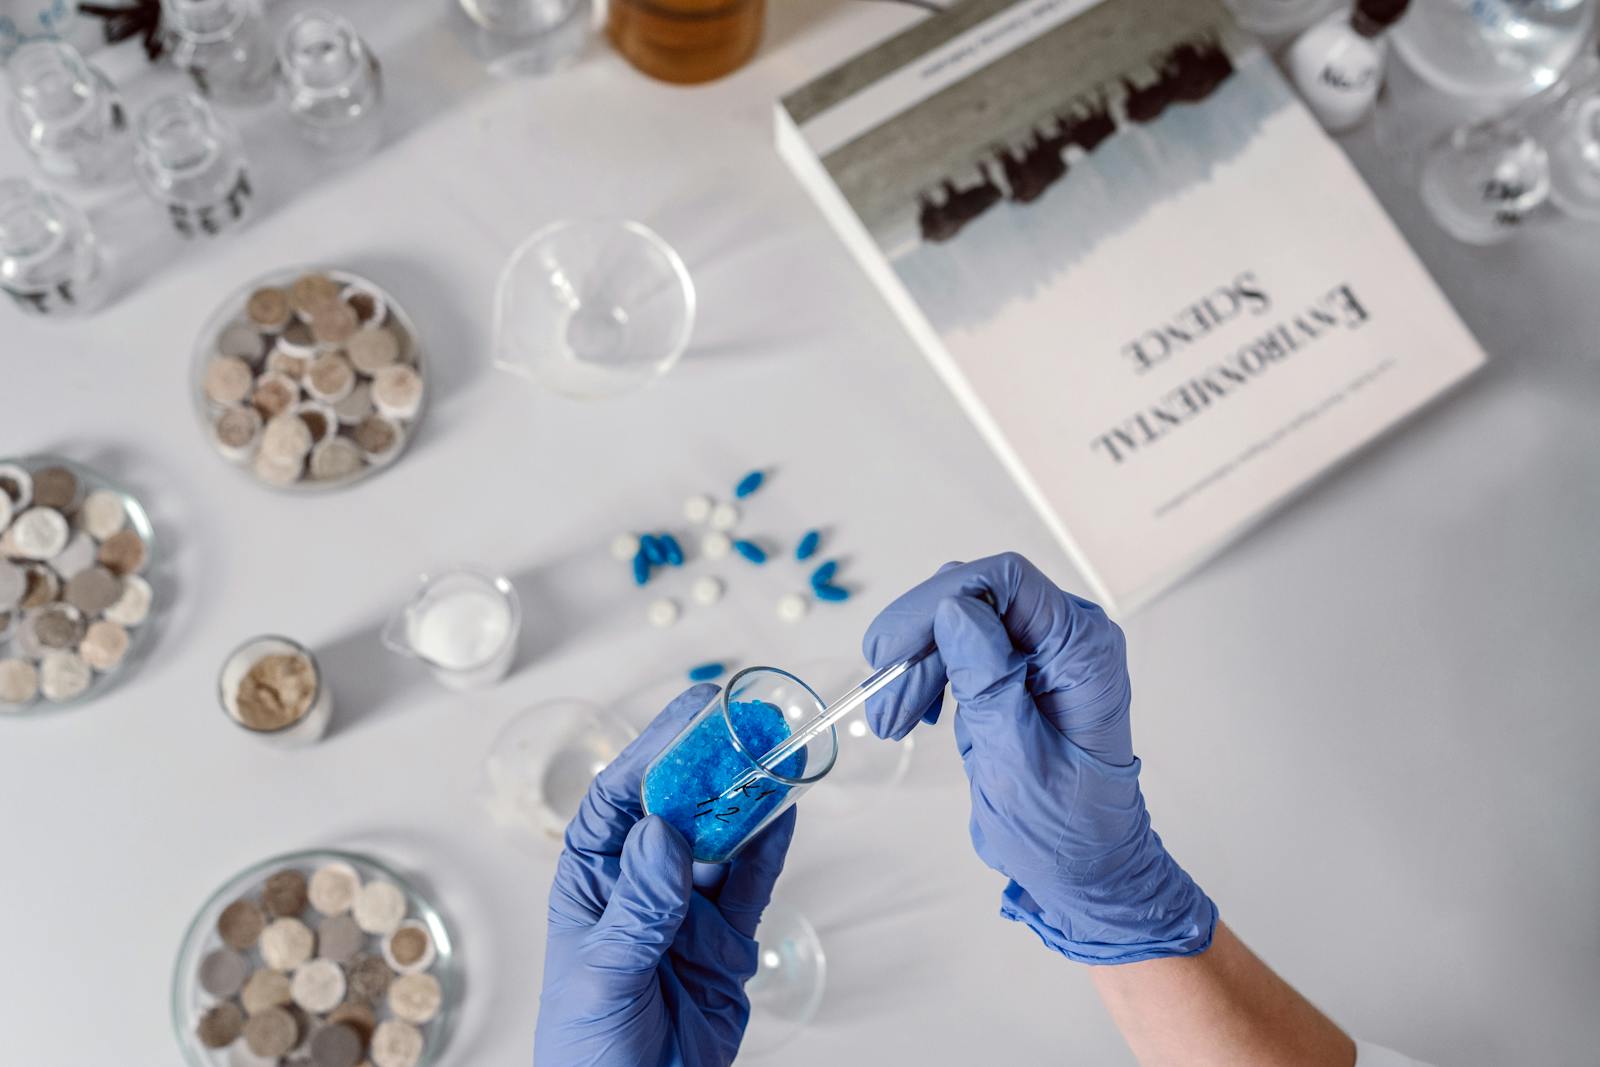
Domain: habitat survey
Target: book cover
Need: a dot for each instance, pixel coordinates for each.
(1162, 293)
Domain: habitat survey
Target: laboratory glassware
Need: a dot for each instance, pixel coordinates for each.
(22, 21)
(1482, 181)
(191, 162)
(49, 262)
(441, 619)
(711, 782)
(686, 41)
(791, 974)
(224, 45)
(1279, 18)
(593, 308)
(523, 36)
(305, 730)
(330, 83)
(1570, 133)
(1499, 50)
(539, 768)
(67, 114)
(1338, 64)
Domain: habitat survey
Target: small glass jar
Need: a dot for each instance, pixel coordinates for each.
(49, 263)
(309, 726)
(1482, 182)
(330, 83)
(67, 114)
(686, 41)
(709, 783)
(191, 162)
(463, 624)
(224, 45)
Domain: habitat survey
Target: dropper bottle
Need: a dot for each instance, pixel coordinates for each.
(1338, 64)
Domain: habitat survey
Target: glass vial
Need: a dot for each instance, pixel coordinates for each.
(1338, 64)
(1500, 50)
(330, 83)
(1482, 181)
(686, 41)
(67, 114)
(223, 45)
(191, 162)
(48, 260)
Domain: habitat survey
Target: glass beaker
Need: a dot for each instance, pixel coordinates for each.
(192, 163)
(282, 677)
(523, 36)
(593, 308)
(463, 623)
(67, 114)
(330, 83)
(1483, 180)
(223, 45)
(539, 769)
(709, 784)
(49, 263)
(686, 41)
(791, 974)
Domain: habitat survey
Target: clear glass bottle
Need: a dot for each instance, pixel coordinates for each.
(1482, 181)
(49, 264)
(67, 114)
(224, 45)
(191, 162)
(330, 83)
(1502, 50)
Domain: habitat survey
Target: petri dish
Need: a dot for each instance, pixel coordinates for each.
(12, 646)
(190, 1001)
(539, 768)
(220, 334)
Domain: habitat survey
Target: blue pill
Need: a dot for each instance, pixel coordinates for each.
(749, 484)
(673, 550)
(750, 551)
(706, 671)
(653, 549)
(835, 593)
(808, 545)
(641, 568)
(824, 574)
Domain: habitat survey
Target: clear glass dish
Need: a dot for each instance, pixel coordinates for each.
(189, 1001)
(90, 481)
(231, 313)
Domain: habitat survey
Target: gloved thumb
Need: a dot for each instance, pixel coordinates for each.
(988, 676)
(647, 904)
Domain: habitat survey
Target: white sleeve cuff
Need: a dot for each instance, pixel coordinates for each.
(1368, 1055)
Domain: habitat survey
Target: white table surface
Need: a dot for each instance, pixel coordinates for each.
(1368, 729)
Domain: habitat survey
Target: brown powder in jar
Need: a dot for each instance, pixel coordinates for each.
(276, 692)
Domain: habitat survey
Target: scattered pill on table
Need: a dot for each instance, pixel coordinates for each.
(662, 612)
(705, 672)
(750, 551)
(697, 508)
(833, 593)
(624, 547)
(792, 607)
(707, 590)
(673, 550)
(724, 517)
(808, 545)
(749, 484)
(641, 568)
(716, 545)
(824, 574)
(654, 551)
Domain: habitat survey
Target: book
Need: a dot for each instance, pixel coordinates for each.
(1164, 296)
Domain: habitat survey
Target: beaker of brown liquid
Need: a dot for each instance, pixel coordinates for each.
(686, 41)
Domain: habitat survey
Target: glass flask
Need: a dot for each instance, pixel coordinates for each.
(330, 83)
(191, 162)
(67, 114)
(593, 308)
(1502, 50)
(791, 975)
(1482, 181)
(223, 45)
(49, 263)
(539, 768)
(304, 730)
(463, 624)
(709, 782)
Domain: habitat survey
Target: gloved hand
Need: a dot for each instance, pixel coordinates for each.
(1040, 681)
(642, 969)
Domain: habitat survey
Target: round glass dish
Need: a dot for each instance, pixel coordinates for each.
(190, 1001)
(348, 443)
(13, 644)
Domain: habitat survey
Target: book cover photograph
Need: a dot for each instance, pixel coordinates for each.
(1162, 294)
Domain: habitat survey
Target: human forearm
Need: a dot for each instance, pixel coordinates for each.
(1223, 1007)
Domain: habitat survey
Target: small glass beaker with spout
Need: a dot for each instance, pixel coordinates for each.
(463, 623)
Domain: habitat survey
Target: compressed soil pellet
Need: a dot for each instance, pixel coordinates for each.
(220, 1026)
(284, 894)
(228, 380)
(379, 907)
(318, 986)
(243, 340)
(336, 1045)
(415, 997)
(397, 391)
(368, 978)
(102, 514)
(272, 1032)
(38, 533)
(63, 675)
(396, 1044)
(336, 457)
(265, 989)
(268, 309)
(13, 585)
(78, 556)
(103, 645)
(311, 292)
(340, 939)
(223, 972)
(358, 1017)
(19, 681)
(92, 591)
(57, 626)
(409, 945)
(43, 586)
(334, 324)
(274, 394)
(123, 553)
(240, 924)
(55, 487)
(355, 407)
(330, 378)
(332, 888)
(286, 944)
(133, 606)
(373, 348)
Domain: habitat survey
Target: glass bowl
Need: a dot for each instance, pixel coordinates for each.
(593, 308)
(215, 339)
(89, 481)
(539, 768)
(189, 1001)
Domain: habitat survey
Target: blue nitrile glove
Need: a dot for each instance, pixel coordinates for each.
(642, 969)
(1040, 681)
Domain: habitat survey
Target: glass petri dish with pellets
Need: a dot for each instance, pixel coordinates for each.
(711, 782)
(309, 378)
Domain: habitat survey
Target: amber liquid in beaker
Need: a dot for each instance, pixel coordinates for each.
(686, 41)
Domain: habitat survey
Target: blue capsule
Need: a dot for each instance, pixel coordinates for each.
(653, 549)
(641, 568)
(707, 671)
(835, 593)
(808, 545)
(672, 550)
(749, 484)
(750, 551)
(823, 575)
